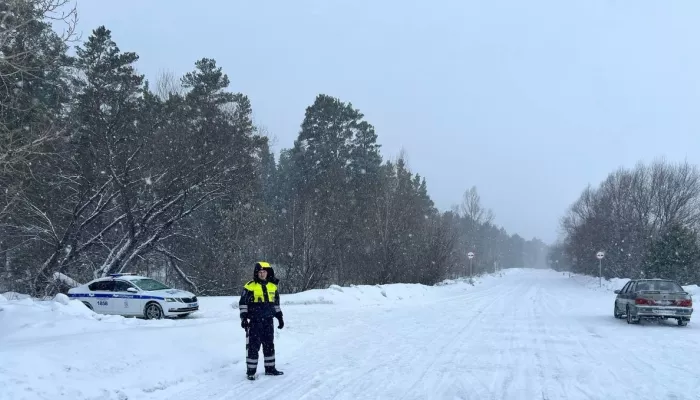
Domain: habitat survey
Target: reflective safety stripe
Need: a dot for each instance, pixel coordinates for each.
(269, 363)
(251, 360)
(270, 358)
(244, 307)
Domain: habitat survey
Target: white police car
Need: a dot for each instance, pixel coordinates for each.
(133, 295)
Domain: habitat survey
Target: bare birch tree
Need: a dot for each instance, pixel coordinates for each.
(625, 215)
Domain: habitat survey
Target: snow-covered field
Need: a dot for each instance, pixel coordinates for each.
(525, 334)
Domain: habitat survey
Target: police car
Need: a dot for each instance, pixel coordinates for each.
(133, 295)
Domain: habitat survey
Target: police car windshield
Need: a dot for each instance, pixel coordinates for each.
(149, 284)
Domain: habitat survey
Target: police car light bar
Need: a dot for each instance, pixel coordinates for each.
(121, 274)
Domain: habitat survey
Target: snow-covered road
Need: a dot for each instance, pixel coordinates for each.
(530, 334)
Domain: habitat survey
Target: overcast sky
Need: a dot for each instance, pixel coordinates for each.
(528, 100)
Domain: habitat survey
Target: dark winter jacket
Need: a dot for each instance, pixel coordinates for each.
(260, 299)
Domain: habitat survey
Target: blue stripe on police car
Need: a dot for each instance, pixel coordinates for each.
(119, 296)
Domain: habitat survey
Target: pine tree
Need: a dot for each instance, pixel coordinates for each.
(675, 254)
(334, 167)
(209, 140)
(34, 69)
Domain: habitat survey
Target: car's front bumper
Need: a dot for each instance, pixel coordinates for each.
(180, 308)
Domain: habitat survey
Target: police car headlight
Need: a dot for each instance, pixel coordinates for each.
(170, 300)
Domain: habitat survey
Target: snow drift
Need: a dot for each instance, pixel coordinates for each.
(610, 285)
(483, 341)
(59, 348)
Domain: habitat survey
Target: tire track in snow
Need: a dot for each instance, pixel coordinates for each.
(381, 330)
(541, 348)
(463, 330)
(377, 342)
(594, 370)
(532, 336)
(453, 369)
(556, 385)
(615, 351)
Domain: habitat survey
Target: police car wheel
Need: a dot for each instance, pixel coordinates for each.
(153, 311)
(88, 305)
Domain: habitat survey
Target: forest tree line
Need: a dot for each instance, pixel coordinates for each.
(645, 220)
(102, 172)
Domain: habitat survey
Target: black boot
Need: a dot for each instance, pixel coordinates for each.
(273, 371)
(251, 374)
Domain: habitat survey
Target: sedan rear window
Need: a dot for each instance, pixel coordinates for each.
(662, 286)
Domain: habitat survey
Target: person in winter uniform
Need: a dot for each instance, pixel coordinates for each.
(259, 304)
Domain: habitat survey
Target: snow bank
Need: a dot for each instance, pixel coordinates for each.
(355, 294)
(26, 317)
(374, 295)
(59, 348)
(612, 284)
(594, 283)
(15, 296)
(694, 290)
(23, 315)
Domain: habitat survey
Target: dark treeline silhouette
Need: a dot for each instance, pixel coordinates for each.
(645, 219)
(105, 172)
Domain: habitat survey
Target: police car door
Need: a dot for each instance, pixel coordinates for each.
(102, 300)
(126, 302)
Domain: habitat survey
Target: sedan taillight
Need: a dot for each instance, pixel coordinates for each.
(684, 303)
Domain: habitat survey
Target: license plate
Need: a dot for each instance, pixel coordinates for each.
(192, 305)
(664, 312)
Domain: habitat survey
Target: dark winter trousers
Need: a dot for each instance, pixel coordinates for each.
(260, 332)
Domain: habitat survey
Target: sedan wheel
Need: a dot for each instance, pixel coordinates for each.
(630, 320)
(153, 311)
(617, 314)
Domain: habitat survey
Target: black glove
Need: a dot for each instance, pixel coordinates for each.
(281, 324)
(244, 323)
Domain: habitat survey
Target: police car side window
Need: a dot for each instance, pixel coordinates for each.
(102, 286)
(121, 286)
